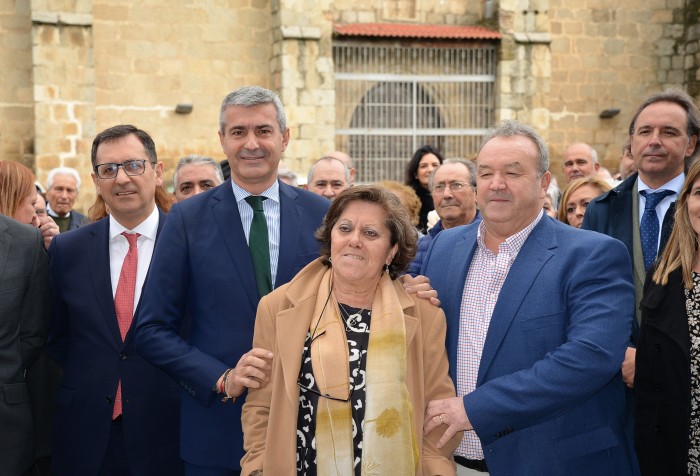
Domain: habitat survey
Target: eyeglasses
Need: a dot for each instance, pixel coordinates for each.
(453, 186)
(307, 352)
(131, 168)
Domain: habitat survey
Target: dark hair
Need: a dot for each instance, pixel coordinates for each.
(123, 130)
(402, 232)
(412, 167)
(681, 98)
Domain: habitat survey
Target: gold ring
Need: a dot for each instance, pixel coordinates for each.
(441, 420)
(437, 419)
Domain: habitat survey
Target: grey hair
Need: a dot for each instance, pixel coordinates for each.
(346, 170)
(471, 167)
(512, 128)
(195, 159)
(249, 96)
(63, 171)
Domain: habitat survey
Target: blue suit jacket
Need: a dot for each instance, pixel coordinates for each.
(202, 267)
(549, 397)
(86, 342)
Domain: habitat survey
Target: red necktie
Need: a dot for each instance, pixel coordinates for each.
(124, 302)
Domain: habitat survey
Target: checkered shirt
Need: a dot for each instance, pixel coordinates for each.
(486, 276)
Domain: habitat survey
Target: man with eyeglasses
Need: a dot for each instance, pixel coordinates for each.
(453, 187)
(115, 412)
(62, 188)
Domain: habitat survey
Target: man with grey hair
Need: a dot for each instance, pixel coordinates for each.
(217, 255)
(328, 177)
(538, 318)
(453, 187)
(62, 187)
(195, 174)
(580, 160)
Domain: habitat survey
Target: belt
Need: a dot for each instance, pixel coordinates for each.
(475, 464)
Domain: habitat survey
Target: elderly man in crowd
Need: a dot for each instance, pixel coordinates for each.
(195, 174)
(62, 187)
(580, 160)
(453, 187)
(538, 318)
(328, 177)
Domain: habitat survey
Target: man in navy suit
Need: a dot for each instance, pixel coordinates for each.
(538, 318)
(115, 414)
(203, 268)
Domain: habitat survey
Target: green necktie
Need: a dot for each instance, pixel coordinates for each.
(258, 243)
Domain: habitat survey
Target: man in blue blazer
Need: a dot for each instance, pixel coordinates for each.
(203, 268)
(115, 412)
(538, 318)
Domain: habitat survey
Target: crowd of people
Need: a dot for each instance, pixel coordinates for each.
(473, 319)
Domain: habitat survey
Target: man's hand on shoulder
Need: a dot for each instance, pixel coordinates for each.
(420, 286)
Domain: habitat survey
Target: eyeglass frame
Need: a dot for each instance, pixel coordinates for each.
(440, 188)
(130, 161)
(308, 351)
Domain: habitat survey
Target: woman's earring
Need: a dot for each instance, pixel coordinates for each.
(330, 260)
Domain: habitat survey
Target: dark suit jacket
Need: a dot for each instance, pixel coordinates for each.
(549, 398)
(24, 323)
(662, 379)
(202, 266)
(77, 220)
(86, 342)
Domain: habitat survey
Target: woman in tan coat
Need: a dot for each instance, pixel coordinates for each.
(356, 358)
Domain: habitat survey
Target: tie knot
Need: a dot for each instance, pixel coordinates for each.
(131, 238)
(255, 202)
(654, 198)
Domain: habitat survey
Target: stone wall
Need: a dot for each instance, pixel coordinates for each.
(606, 55)
(74, 67)
(16, 95)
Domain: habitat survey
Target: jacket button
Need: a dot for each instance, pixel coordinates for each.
(109, 400)
(658, 428)
(122, 356)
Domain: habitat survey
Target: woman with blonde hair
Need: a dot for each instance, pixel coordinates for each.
(667, 370)
(17, 198)
(576, 197)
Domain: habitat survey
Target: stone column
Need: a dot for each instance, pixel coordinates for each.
(302, 72)
(64, 88)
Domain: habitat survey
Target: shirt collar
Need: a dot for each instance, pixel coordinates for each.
(272, 193)
(675, 184)
(50, 211)
(147, 228)
(514, 242)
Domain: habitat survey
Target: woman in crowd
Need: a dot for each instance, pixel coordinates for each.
(18, 196)
(667, 375)
(426, 159)
(356, 358)
(576, 197)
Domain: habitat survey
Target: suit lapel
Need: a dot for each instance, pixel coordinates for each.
(621, 216)
(290, 231)
(536, 251)
(98, 250)
(226, 214)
